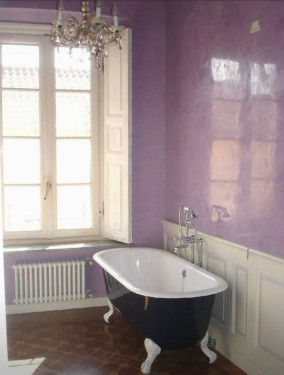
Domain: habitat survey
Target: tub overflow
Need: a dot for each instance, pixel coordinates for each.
(183, 273)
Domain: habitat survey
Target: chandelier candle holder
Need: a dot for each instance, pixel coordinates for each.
(92, 35)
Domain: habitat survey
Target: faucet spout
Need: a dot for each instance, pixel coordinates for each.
(177, 249)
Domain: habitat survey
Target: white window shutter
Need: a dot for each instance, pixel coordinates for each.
(117, 142)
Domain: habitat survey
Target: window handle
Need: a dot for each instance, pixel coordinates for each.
(47, 188)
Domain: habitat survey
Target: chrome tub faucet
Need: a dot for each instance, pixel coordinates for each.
(183, 241)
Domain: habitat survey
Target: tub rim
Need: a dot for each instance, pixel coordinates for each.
(221, 286)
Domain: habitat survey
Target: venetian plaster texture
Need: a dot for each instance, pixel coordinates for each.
(224, 119)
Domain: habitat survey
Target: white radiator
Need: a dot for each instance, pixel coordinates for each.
(49, 282)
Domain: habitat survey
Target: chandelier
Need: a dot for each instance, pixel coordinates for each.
(93, 34)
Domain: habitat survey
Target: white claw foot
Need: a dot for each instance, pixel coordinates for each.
(203, 345)
(152, 350)
(109, 313)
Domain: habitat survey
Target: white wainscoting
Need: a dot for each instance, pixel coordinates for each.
(247, 319)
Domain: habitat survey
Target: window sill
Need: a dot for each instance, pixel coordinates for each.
(62, 246)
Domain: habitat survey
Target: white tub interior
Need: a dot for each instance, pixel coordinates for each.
(158, 273)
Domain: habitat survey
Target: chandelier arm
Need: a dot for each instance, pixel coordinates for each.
(111, 41)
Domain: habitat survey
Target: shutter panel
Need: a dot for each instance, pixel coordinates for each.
(116, 118)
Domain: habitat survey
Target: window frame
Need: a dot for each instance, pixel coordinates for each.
(106, 213)
(47, 112)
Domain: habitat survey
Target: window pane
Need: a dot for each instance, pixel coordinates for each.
(73, 115)
(22, 208)
(20, 113)
(21, 161)
(74, 207)
(73, 161)
(20, 66)
(72, 71)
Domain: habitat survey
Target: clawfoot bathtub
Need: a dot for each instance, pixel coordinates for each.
(168, 299)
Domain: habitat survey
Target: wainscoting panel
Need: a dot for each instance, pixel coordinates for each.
(240, 290)
(247, 320)
(218, 266)
(271, 298)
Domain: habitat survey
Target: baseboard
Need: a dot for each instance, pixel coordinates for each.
(239, 359)
(245, 364)
(67, 305)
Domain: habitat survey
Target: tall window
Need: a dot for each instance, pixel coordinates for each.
(66, 139)
(50, 140)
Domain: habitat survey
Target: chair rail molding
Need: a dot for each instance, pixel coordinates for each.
(247, 320)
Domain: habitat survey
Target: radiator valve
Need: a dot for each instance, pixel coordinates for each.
(89, 261)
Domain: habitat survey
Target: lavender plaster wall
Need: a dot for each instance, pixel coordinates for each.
(147, 20)
(224, 119)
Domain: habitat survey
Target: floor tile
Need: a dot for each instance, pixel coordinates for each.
(79, 342)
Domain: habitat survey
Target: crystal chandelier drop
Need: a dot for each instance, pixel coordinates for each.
(93, 35)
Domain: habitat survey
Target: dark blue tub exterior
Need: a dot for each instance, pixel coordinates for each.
(172, 323)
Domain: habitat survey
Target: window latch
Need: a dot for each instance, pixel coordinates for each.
(47, 188)
(102, 211)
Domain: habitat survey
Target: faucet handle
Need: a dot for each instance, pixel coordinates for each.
(190, 239)
(189, 214)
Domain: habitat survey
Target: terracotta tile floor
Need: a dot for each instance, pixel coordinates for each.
(79, 342)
